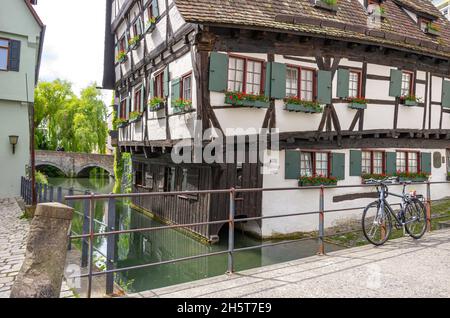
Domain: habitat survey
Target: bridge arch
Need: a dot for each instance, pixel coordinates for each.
(83, 170)
(40, 166)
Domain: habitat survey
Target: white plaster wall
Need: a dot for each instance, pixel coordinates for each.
(303, 201)
(157, 126)
(245, 118)
(175, 18)
(379, 70)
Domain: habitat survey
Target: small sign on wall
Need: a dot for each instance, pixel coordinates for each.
(437, 160)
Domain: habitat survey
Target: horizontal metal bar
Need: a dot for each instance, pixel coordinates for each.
(149, 194)
(87, 216)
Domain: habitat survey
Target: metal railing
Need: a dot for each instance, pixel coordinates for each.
(89, 233)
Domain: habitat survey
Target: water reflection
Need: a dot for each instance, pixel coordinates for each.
(162, 245)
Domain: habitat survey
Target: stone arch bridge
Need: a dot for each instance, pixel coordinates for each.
(74, 164)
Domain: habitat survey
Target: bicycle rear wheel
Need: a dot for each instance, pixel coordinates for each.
(415, 219)
(376, 225)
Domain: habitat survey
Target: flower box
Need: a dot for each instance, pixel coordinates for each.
(316, 181)
(122, 59)
(123, 124)
(136, 119)
(324, 5)
(157, 107)
(412, 179)
(135, 45)
(181, 110)
(149, 27)
(301, 108)
(432, 31)
(245, 102)
(357, 106)
(409, 103)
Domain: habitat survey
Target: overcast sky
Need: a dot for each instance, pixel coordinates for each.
(74, 40)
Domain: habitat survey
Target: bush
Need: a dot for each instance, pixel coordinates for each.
(41, 178)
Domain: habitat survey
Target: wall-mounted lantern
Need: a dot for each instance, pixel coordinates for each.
(13, 141)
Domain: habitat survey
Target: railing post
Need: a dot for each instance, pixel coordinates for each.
(428, 206)
(91, 243)
(21, 187)
(70, 203)
(39, 190)
(59, 195)
(84, 241)
(110, 246)
(50, 195)
(321, 221)
(231, 231)
(45, 193)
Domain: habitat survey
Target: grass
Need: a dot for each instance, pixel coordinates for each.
(440, 211)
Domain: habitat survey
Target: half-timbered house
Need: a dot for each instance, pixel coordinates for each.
(356, 88)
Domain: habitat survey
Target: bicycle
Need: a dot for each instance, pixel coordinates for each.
(377, 216)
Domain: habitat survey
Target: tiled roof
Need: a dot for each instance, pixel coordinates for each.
(349, 22)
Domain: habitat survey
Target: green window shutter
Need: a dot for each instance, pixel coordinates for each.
(267, 82)
(395, 86)
(425, 162)
(391, 163)
(446, 94)
(338, 166)
(127, 38)
(292, 164)
(324, 87)
(142, 97)
(152, 88)
(343, 83)
(14, 56)
(218, 72)
(355, 163)
(155, 8)
(166, 82)
(278, 80)
(127, 110)
(119, 110)
(175, 90)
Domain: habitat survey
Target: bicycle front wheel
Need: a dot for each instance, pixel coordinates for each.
(415, 219)
(376, 224)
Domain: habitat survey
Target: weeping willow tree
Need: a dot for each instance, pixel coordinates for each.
(64, 120)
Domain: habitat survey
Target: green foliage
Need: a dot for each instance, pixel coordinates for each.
(316, 181)
(135, 115)
(305, 103)
(62, 119)
(155, 102)
(41, 178)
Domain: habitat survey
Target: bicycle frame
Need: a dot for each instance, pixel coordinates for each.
(383, 194)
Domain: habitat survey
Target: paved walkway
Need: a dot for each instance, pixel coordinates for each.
(13, 236)
(401, 268)
(13, 240)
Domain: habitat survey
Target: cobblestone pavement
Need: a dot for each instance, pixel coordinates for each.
(13, 240)
(401, 268)
(13, 237)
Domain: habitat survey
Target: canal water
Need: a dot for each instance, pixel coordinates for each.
(155, 246)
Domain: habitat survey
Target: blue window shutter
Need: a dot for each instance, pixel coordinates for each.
(175, 90)
(391, 163)
(292, 164)
(155, 8)
(218, 72)
(278, 80)
(446, 94)
(324, 87)
(395, 86)
(343, 83)
(127, 38)
(425, 162)
(355, 163)
(14, 56)
(338, 166)
(166, 81)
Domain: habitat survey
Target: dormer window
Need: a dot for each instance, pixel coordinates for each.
(423, 24)
(429, 27)
(330, 5)
(375, 8)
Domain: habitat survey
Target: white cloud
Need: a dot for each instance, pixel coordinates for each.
(74, 42)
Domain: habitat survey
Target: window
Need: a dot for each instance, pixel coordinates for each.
(354, 87)
(138, 174)
(137, 100)
(407, 80)
(123, 108)
(372, 162)
(122, 44)
(245, 75)
(300, 83)
(292, 82)
(186, 87)
(159, 85)
(314, 164)
(137, 27)
(169, 185)
(4, 52)
(423, 24)
(408, 161)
